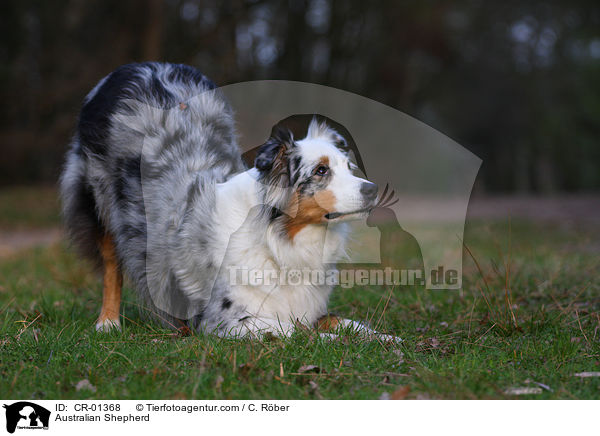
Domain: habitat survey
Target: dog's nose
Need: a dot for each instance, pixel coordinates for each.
(369, 190)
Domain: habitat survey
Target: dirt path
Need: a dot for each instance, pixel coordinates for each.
(575, 209)
(13, 241)
(571, 209)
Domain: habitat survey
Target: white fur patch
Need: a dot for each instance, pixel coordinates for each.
(108, 325)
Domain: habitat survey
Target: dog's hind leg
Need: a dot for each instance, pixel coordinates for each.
(111, 291)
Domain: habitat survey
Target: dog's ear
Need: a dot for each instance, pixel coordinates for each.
(272, 163)
(320, 129)
(273, 153)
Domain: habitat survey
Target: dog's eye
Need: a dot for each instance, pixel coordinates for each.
(321, 170)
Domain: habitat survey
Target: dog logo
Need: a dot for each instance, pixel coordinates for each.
(26, 415)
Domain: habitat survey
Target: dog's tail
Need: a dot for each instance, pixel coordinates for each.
(80, 217)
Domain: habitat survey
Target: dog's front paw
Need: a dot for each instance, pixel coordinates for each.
(107, 325)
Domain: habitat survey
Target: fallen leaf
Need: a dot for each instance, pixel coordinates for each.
(85, 384)
(270, 337)
(182, 332)
(245, 368)
(400, 355)
(400, 394)
(541, 385)
(309, 368)
(431, 344)
(314, 389)
(523, 391)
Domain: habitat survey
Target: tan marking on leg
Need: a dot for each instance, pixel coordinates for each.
(111, 291)
(182, 328)
(328, 323)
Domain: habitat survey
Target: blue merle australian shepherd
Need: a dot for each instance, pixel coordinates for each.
(155, 189)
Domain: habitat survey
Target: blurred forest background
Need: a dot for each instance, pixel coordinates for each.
(515, 82)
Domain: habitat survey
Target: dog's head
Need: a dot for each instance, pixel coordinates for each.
(311, 181)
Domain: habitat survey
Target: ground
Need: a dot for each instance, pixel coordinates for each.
(525, 325)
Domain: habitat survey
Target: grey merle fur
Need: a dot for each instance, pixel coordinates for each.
(166, 129)
(163, 124)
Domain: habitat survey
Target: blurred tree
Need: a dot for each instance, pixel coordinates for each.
(516, 82)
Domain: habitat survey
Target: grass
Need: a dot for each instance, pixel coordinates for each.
(528, 316)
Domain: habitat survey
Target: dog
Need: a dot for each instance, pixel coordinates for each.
(155, 188)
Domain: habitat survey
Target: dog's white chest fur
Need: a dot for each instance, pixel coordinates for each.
(267, 290)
